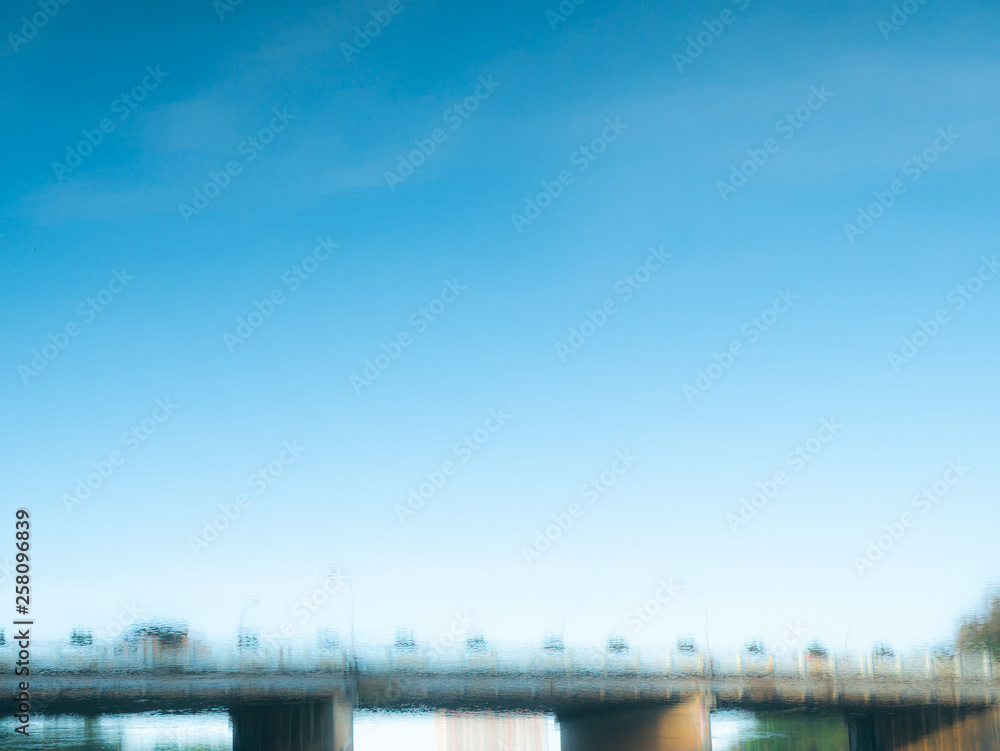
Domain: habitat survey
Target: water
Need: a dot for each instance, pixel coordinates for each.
(787, 731)
(416, 731)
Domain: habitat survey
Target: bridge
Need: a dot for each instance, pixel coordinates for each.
(299, 697)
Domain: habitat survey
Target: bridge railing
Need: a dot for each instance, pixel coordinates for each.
(196, 656)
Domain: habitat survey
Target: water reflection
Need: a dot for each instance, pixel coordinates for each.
(783, 731)
(492, 730)
(411, 731)
(211, 731)
(207, 731)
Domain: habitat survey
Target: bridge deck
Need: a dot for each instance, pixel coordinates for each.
(85, 692)
(105, 678)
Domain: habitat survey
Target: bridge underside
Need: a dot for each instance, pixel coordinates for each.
(305, 726)
(684, 727)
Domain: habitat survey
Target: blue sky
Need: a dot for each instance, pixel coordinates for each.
(493, 347)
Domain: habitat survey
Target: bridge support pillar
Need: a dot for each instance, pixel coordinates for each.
(683, 727)
(926, 729)
(303, 726)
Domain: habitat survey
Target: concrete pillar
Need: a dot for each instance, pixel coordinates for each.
(303, 726)
(683, 727)
(928, 729)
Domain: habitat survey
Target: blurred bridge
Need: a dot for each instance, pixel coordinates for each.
(296, 696)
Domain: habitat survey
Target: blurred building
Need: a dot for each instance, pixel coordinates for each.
(490, 731)
(164, 645)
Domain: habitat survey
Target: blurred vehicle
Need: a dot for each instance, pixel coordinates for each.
(882, 651)
(247, 641)
(817, 656)
(553, 643)
(80, 637)
(617, 644)
(327, 640)
(404, 640)
(686, 645)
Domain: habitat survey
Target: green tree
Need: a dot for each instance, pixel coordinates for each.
(982, 631)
